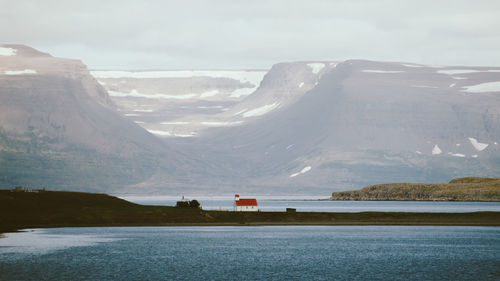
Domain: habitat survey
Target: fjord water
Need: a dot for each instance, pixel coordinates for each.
(313, 204)
(253, 253)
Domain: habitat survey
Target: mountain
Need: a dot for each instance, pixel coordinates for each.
(59, 128)
(178, 103)
(364, 123)
(185, 117)
(187, 103)
(300, 128)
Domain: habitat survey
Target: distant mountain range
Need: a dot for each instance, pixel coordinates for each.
(300, 128)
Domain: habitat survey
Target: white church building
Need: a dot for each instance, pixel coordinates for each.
(245, 205)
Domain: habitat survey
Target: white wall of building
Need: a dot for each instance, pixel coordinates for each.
(246, 208)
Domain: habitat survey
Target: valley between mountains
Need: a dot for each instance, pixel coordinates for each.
(309, 127)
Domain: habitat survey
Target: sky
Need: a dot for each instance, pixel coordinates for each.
(235, 34)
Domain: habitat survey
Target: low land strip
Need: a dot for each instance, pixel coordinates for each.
(19, 210)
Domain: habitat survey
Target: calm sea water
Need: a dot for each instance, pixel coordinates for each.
(309, 204)
(253, 253)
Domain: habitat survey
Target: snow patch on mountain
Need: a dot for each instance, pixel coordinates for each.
(304, 170)
(463, 71)
(209, 94)
(210, 107)
(477, 145)
(220, 124)
(424, 86)
(381, 71)
(436, 150)
(135, 93)
(7, 51)
(411, 65)
(175, 123)
(242, 92)
(20, 72)
(254, 77)
(240, 112)
(316, 67)
(160, 133)
(170, 134)
(261, 110)
(483, 87)
(456, 71)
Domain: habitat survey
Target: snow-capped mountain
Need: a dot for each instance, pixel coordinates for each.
(312, 126)
(302, 127)
(59, 129)
(187, 103)
(375, 122)
(178, 103)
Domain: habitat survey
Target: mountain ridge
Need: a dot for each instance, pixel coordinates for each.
(301, 128)
(59, 128)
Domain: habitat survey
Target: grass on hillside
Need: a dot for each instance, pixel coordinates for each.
(461, 189)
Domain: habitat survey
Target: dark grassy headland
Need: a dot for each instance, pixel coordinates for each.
(20, 210)
(461, 189)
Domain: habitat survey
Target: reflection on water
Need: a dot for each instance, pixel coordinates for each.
(42, 241)
(253, 253)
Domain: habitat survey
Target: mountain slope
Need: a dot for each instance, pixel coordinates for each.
(58, 128)
(188, 103)
(367, 122)
(306, 127)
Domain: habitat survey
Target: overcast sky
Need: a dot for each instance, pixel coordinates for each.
(254, 34)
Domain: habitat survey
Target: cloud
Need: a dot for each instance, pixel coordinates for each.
(254, 34)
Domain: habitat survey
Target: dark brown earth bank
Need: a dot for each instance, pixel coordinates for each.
(460, 189)
(21, 209)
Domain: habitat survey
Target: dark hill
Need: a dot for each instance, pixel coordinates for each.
(20, 210)
(461, 189)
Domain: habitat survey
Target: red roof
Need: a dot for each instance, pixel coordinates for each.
(246, 202)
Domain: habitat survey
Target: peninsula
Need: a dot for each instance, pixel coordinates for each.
(19, 210)
(460, 189)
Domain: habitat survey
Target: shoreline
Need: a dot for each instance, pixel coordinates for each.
(412, 200)
(21, 210)
(491, 219)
